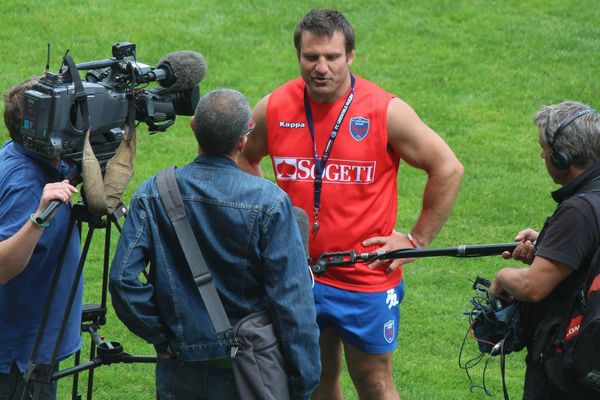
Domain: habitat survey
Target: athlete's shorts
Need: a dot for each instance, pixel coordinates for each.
(367, 321)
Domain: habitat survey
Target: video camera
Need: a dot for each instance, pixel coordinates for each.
(61, 107)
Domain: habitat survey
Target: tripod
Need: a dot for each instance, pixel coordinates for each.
(93, 315)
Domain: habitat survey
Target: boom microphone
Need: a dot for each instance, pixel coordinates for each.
(182, 70)
(345, 258)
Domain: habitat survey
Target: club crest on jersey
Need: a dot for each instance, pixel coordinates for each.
(359, 127)
(389, 331)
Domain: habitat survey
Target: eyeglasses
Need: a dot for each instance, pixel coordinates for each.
(251, 126)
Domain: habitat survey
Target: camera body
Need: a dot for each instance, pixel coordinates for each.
(54, 119)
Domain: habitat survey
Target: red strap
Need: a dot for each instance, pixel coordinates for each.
(595, 286)
(573, 328)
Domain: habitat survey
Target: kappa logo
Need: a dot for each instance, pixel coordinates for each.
(291, 125)
(336, 171)
(389, 331)
(359, 127)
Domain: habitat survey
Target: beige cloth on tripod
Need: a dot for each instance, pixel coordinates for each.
(103, 195)
(93, 185)
(119, 170)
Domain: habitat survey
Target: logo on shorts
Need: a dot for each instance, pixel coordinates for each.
(359, 127)
(392, 298)
(389, 331)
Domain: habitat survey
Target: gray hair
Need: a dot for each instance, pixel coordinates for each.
(580, 138)
(222, 117)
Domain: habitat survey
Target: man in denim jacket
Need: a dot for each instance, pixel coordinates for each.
(246, 229)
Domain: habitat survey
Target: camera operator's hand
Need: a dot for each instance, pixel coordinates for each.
(498, 292)
(393, 242)
(61, 191)
(525, 249)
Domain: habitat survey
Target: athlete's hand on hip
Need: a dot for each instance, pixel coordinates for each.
(393, 242)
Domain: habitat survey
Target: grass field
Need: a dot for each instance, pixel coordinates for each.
(475, 71)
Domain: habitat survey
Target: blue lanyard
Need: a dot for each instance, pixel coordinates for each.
(320, 163)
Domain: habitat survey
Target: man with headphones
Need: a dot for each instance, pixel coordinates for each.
(560, 256)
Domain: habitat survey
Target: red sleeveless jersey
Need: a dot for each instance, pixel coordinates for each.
(358, 197)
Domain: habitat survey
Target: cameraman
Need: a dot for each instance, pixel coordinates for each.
(29, 254)
(245, 227)
(569, 135)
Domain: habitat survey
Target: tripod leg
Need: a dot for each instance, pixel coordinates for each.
(75, 390)
(26, 393)
(90, 386)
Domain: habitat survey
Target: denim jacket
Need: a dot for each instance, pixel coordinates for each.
(246, 229)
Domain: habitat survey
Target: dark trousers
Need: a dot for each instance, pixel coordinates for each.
(536, 383)
(12, 387)
(538, 387)
(177, 380)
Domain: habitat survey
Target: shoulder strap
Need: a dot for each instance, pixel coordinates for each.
(591, 186)
(171, 198)
(594, 202)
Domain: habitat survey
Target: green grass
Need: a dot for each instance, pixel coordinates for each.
(475, 71)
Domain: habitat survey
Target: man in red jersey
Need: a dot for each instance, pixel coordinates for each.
(336, 141)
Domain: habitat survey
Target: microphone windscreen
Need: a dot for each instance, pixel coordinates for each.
(302, 220)
(185, 69)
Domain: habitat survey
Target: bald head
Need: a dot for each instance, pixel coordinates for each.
(222, 117)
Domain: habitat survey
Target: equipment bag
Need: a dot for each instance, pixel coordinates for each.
(582, 358)
(573, 352)
(256, 359)
(496, 326)
(257, 362)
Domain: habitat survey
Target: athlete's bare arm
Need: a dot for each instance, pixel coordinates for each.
(256, 147)
(418, 145)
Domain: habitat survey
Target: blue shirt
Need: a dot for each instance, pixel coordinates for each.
(22, 299)
(246, 229)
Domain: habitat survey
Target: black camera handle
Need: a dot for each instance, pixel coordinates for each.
(80, 95)
(74, 178)
(346, 258)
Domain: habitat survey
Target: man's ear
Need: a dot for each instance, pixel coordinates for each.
(193, 123)
(350, 58)
(241, 143)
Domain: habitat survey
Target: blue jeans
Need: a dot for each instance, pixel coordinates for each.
(178, 380)
(12, 387)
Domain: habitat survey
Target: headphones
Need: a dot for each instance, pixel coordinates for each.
(560, 157)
